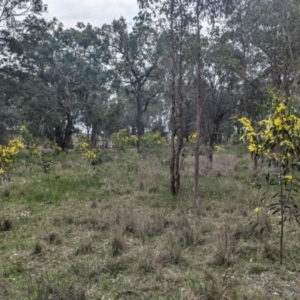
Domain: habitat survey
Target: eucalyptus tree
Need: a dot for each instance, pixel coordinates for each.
(71, 66)
(11, 15)
(10, 10)
(239, 31)
(135, 60)
(277, 36)
(204, 10)
(172, 20)
(180, 18)
(104, 108)
(264, 38)
(9, 113)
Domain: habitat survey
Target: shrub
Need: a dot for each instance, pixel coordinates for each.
(9, 153)
(92, 155)
(276, 141)
(122, 140)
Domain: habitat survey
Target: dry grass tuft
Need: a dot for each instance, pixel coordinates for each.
(145, 261)
(6, 192)
(170, 254)
(115, 265)
(54, 238)
(183, 231)
(94, 204)
(151, 224)
(6, 223)
(84, 248)
(261, 225)
(37, 248)
(141, 223)
(4, 288)
(117, 242)
(267, 251)
(222, 165)
(54, 289)
(219, 287)
(225, 246)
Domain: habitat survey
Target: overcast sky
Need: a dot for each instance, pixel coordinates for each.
(95, 12)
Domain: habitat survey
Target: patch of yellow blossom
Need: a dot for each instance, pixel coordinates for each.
(280, 108)
(193, 138)
(152, 138)
(84, 145)
(218, 148)
(88, 153)
(282, 128)
(246, 123)
(121, 140)
(8, 153)
(258, 209)
(287, 143)
(289, 178)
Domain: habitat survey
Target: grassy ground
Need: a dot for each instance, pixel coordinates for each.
(113, 231)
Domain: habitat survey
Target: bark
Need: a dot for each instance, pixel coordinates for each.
(59, 136)
(88, 129)
(179, 110)
(63, 137)
(140, 113)
(94, 135)
(173, 108)
(68, 133)
(198, 110)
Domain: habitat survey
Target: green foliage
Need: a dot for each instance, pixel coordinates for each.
(276, 141)
(8, 154)
(151, 139)
(90, 154)
(151, 143)
(122, 140)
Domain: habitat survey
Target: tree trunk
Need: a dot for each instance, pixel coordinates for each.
(179, 106)
(88, 129)
(68, 133)
(59, 139)
(198, 111)
(173, 123)
(140, 113)
(94, 135)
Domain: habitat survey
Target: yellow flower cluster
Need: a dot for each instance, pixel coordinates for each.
(289, 178)
(193, 138)
(57, 148)
(152, 138)
(121, 140)
(218, 148)
(258, 209)
(276, 138)
(8, 153)
(88, 153)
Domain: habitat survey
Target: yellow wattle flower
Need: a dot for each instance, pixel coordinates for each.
(258, 209)
(289, 178)
(252, 148)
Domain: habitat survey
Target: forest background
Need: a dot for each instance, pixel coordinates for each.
(158, 102)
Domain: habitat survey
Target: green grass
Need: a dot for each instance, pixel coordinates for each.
(114, 231)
